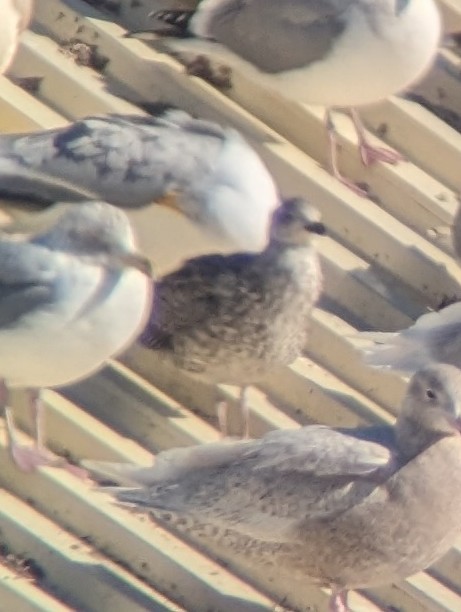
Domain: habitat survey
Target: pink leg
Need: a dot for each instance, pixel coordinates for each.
(369, 153)
(333, 146)
(222, 410)
(245, 412)
(29, 458)
(3, 394)
(38, 417)
(223, 415)
(338, 601)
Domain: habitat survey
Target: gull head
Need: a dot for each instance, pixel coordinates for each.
(295, 222)
(431, 408)
(90, 229)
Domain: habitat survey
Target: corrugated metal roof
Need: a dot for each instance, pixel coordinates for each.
(65, 546)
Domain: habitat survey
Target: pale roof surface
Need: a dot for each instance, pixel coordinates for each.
(381, 272)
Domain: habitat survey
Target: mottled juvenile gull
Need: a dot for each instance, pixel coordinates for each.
(229, 319)
(15, 18)
(206, 171)
(71, 296)
(334, 53)
(349, 508)
(434, 337)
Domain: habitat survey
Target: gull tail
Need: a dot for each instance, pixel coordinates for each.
(169, 465)
(392, 351)
(134, 485)
(125, 475)
(156, 498)
(140, 487)
(18, 182)
(436, 336)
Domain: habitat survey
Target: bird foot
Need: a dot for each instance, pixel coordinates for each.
(222, 410)
(363, 192)
(30, 458)
(370, 154)
(334, 167)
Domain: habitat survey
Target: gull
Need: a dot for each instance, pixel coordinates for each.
(230, 319)
(332, 53)
(72, 295)
(434, 337)
(348, 508)
(16, 15)
(208, 173)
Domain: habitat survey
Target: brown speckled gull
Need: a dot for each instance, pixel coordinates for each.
(229, 319)
(349, 508)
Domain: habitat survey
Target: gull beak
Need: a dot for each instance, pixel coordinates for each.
(136, 261)
(316, 228)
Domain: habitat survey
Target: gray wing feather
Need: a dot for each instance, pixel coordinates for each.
(126, 160)
(19, 183)
(436, 336)
(265, 488)
(295, 32)
(321, 451)
(27, 281)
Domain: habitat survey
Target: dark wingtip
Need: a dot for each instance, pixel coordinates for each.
(178, 19)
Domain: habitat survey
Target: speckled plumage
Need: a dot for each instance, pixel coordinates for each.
(230, 318)
(349, 508)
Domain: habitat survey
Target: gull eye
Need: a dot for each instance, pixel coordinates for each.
(430, 394)
(288, 218)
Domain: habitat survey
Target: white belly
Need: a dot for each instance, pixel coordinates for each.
(55, 347)
(365, 66)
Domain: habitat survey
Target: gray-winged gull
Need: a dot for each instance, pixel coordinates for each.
(229, 319)
(349, 508)
(434, 337)
(334, 53)
(71, 296)
(206, 171)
